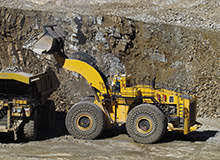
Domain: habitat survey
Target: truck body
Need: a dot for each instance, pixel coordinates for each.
(21, 97)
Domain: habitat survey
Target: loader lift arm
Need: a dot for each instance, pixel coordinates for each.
(93, 77)
(52, 42)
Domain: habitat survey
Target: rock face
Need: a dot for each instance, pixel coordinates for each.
(179, 57)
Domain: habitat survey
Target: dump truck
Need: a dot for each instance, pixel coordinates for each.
(146, 111)
(24, 101)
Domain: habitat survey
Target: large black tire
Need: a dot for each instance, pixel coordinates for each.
(30, 132)
(85, 120)
(146, 123)
(88, 99)
(31, 127)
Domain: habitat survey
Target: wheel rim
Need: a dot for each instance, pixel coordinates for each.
(84, 122)
(144, 125)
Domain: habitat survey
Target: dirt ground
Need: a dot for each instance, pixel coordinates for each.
(203, 144)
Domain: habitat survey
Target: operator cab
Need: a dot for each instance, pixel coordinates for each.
(121, 81)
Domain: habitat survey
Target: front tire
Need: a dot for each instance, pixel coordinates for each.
(85, 120)
(146, 123)
(88, 99)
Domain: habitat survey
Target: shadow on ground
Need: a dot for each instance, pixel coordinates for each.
(45, 134)
(60, 130)
(196, 136)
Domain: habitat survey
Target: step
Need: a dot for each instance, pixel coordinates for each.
(3, 128)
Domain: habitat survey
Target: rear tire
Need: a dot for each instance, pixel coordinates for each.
(31, 128)
(85, 120)
(146, 123)
(30, 132)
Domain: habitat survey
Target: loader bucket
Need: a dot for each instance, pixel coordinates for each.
(43, 45)
(51, 40)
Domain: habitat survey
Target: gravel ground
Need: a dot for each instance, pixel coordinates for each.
(203, 14)
(203, 144)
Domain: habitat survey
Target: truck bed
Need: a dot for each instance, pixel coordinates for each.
(20, 84)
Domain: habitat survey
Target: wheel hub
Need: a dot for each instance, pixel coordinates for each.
(84, 122)
(144, 125)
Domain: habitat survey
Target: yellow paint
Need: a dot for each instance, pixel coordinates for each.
(88, 72)
(186, 116)
(19, 101)
(195, 127)
(121, 111)
(19, 76)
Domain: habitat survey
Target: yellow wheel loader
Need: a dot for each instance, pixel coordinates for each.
(23, 102)
(147, 112)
